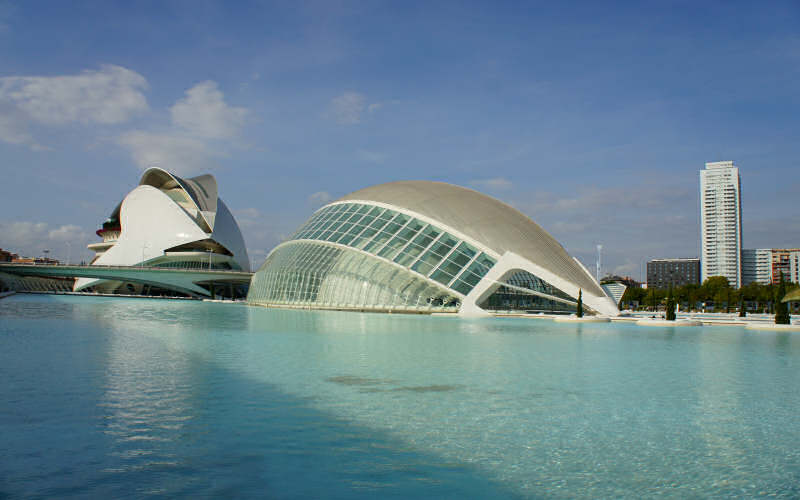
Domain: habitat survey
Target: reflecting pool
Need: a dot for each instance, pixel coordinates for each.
(114, 397)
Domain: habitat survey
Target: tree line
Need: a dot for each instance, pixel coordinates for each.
(715, 292)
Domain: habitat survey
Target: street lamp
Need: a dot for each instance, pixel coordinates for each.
(144, 245)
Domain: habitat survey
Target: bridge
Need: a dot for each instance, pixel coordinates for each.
(186, 281)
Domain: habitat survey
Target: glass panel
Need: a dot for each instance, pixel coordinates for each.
(330, 229)
(458, 259)
(370, 231)
(462, 287)
(401, 239)
(442, 277)
(347, 226)
(387, 232)
(436, 253)
(417, 246)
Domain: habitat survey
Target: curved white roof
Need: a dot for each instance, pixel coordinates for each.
(492, 223)
(166, 211)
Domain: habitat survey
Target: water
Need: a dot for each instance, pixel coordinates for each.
(135, 398)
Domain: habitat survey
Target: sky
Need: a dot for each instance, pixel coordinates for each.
(593, 118)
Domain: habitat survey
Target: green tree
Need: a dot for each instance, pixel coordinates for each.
(715, 288)
(670, 307)
(579, 311)
(781, 308)
(634, 294)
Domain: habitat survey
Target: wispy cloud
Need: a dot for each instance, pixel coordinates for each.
(32, 238)
(320, 198)
(192, 141)
(110, 95)
(348, 107)
(263, 231)
(633, 223)
(204, 113)
(174, 152)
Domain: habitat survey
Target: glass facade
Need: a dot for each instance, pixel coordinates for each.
(400, 238)
(515, 298)
(320, 275)
(403, 263)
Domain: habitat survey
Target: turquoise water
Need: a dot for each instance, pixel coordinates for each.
(135, 398)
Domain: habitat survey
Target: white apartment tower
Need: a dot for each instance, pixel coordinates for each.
(721, 222)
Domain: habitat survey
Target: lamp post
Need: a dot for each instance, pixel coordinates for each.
(69, 252)
(144, 245)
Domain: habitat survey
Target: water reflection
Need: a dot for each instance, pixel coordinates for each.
(374, 403)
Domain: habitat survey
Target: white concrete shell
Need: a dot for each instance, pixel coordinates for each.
(167, 221)
(491, 228)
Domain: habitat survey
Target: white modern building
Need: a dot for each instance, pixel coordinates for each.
(424, 247)
(757, 266)
(168, 222)
(721, 222)
(765, 265)
(794, 267)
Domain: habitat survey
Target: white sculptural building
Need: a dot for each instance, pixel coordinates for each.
(424, 247)
(168, 222)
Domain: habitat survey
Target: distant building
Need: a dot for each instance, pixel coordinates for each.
(6, 256)
(757, 266)
(782, 263)
(765, 265)
(677, 272)
(16, 259)
(627, 281)
(721, 222)
(614, 289)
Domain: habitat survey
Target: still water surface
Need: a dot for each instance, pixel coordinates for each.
(104, 398)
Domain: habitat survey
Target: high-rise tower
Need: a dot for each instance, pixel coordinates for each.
(721, 222)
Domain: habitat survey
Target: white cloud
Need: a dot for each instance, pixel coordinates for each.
(494, 184)
(67, 232)
(347, 108)
(11, 130)
(204, 113)
(32, 238)
(173, 152)
(320, 198)
(110, 95)
(193, 141)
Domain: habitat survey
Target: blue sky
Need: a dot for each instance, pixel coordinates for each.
(591, 117)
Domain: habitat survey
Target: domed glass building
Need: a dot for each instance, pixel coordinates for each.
(419, 246)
